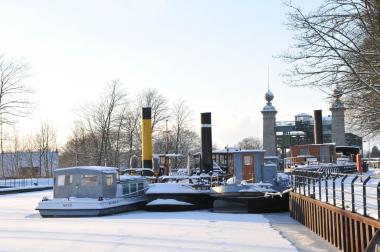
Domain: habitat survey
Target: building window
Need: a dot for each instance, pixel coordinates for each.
(109, 180)
(89, 180)
(61, 180)
(247, 160)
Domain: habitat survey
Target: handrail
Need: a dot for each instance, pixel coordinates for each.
(358, 193)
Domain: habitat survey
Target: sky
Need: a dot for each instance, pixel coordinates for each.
(214, 54)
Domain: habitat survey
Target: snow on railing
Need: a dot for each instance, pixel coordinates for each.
(356, 193)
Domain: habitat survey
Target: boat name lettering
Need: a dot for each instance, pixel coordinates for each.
(67, 204)
(110, 202)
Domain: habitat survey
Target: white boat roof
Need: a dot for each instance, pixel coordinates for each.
(130, 177)
(96, 169)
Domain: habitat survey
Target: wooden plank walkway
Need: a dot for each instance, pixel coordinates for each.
(344, 229)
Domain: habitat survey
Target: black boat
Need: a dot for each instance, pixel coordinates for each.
(252, 198)
(179, 195)
(254, 186)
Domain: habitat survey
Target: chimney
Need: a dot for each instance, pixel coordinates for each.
(146, 137)
(318, 129)
(206, 138)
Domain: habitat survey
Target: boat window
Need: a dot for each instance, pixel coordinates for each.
(60, 180)
(140, 188)
(109, 180)
(247, 160)
(89, 180)
(133, 188)
(69, 179)
(125, 188)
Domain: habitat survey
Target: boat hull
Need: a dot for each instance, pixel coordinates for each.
(196, 201)
(77, 208)
(252, 202)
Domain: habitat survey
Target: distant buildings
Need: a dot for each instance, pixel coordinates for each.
(28, 164)
(278, 136)
(300, 131)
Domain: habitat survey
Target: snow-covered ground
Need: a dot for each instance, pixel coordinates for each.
(22, 229)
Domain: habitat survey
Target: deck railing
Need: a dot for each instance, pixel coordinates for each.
(356, 193)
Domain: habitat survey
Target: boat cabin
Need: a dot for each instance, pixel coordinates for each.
(321, 153)
(246, 165)
(85, 182)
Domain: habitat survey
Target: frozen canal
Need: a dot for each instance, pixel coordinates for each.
(22, 229)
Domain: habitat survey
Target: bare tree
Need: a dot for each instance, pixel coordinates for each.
(179, 137)
(14, 93)
(105, 117)
(180, 114)
(159, 104)
(130, 127)
(339, 45)
(97, 136)
(46, 143)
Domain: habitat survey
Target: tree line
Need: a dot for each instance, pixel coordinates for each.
(107, 132)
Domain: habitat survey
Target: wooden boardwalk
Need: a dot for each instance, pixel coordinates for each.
(344, 229)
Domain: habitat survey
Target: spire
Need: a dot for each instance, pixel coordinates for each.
(268, 77)
(269, 97)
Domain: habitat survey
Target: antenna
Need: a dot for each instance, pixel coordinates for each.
(268, 77)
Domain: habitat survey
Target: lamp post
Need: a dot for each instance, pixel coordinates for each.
(369, 147)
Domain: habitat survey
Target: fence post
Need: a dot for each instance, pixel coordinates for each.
(326, 188)
(353, 194)
(313, 179)
(319, 186)
(378, 200)
(334, 194)
(365, 195)
(304, 184)
(342, 191)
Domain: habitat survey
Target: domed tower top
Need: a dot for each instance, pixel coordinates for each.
(269, 97)
(337, 103)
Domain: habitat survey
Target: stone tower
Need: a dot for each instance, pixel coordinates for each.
(337, 119)
(269, 122)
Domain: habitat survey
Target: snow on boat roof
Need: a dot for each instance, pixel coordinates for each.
(159, 202)
(168, 155)
(271, 157)
(170, 188)
(130, 177)
(96, 169)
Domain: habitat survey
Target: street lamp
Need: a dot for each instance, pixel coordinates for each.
(369, 147)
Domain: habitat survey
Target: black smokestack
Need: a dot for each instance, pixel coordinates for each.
(206, 159)
(318, 130)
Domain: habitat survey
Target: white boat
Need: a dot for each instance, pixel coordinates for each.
(93, 191)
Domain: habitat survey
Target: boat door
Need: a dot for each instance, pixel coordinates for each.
(248, 168)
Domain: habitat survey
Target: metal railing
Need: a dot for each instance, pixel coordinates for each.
(356, 193)
(25, 182)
